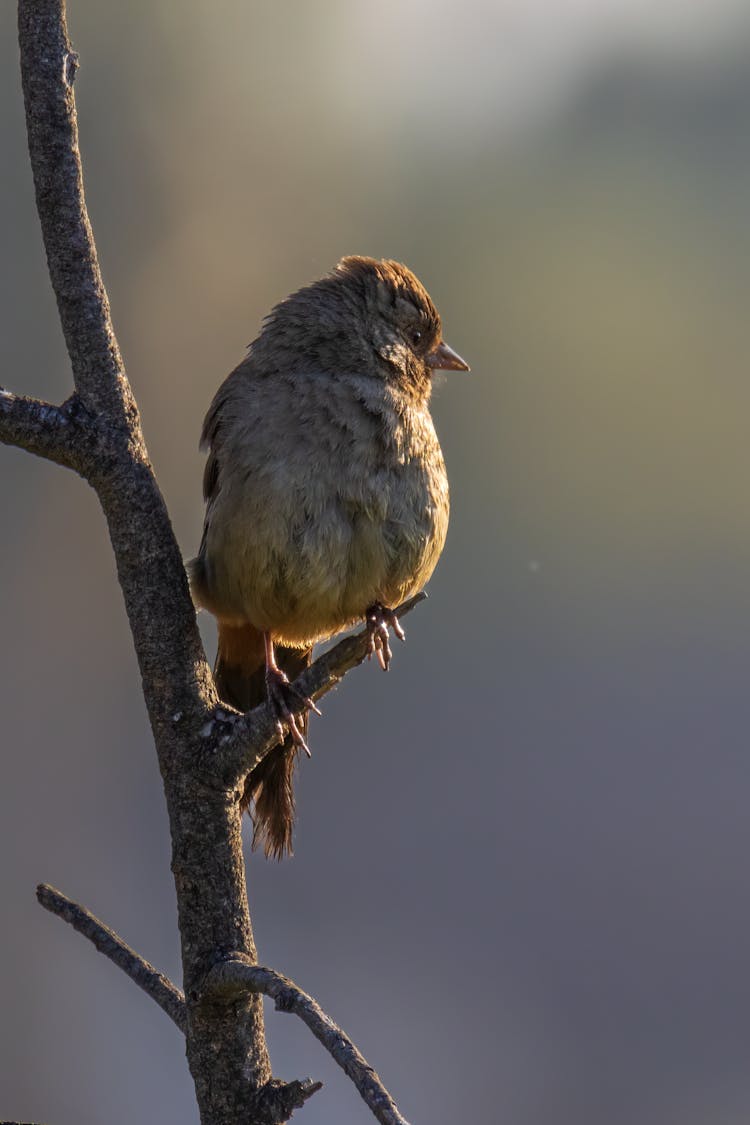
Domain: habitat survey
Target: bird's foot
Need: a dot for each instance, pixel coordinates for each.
(289, 705)
(379, 619)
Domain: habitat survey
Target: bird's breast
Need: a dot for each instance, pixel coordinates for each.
(349, 508)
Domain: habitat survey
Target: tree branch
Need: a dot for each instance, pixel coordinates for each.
(63, 434)
(238, 742)
(148, 559)
(98, 432)
(235, 976)
(154, 984)
(226, 1048)
(48, 71)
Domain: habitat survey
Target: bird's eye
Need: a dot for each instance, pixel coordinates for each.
(416, 336)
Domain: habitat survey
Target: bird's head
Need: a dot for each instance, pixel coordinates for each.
(402, 325)
(367, 316)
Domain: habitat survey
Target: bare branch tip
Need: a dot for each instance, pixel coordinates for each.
(309, 1087)
(169, 998)
(410, 603)
(276, 1100)
(70, 67)
(47, 896)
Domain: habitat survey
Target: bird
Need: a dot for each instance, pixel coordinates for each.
(326, 497)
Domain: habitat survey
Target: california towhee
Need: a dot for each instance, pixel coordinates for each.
(326, 495)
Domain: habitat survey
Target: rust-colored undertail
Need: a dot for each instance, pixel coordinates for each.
(240, 674)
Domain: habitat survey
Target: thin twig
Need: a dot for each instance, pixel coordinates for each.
(239, 742)
(234, 976)
(155, 984)
(330, 668)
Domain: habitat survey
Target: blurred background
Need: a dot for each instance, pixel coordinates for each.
(521, 874)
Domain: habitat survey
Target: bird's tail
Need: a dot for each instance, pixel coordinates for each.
(241, 681)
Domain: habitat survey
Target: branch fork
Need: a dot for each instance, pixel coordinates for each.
(231, 978)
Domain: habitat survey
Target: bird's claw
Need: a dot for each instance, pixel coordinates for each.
(379, 619)
(288, 705)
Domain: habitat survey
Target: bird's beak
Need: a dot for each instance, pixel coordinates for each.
(443, 358)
